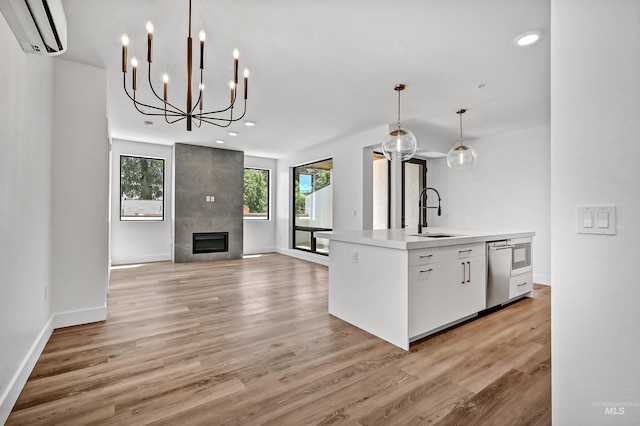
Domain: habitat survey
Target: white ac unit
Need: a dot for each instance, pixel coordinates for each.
(39, 25)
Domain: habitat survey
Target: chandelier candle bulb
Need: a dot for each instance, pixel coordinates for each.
(236, 55)
(134, 66)
(165, 82)
(149, 39)
(125, 43)
(246, 81)
(203, 36)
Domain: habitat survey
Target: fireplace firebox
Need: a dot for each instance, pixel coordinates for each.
(210, 242)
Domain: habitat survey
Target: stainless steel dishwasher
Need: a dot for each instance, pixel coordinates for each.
(509, 271)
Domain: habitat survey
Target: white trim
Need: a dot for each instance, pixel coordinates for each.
(83, 316)
(261, 250)
(141, 259)
(19, 380)
(542, 279)
(315, 258)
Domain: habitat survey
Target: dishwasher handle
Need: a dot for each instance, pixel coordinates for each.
(502, 248)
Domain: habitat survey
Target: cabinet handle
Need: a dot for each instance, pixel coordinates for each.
(523, 284)
(465, 251)
(425, 256)
(469, 265)
(464, 273)
(427, 270)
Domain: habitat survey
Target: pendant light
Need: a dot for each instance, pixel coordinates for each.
(399, 144)
(461, 157)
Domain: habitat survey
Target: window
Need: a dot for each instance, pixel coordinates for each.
(256, 194)
(141, 188)
(313, 205)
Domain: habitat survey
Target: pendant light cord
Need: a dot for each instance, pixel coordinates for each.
(460, 112)
(399, 108)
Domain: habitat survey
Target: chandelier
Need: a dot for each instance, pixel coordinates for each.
(194, 112)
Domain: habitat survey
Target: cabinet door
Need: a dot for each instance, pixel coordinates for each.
(425, 297)
(465, 290)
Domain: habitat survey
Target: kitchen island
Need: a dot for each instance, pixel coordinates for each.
(401, 286)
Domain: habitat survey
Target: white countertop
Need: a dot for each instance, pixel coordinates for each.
(407, 239)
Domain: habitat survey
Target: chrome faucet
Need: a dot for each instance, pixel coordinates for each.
(423, 193)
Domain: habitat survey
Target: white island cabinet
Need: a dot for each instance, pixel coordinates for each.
(401, 287)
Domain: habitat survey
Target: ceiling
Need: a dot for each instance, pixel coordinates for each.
(322, 70)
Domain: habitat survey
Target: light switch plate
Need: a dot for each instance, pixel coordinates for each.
(599, 220)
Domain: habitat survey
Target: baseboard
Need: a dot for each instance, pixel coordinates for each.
(261, 250)
(141, 259)
(315, 258)
(83, 316)
(542, 279)
(11, 394)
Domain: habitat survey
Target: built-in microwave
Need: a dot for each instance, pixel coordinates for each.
(520, 255)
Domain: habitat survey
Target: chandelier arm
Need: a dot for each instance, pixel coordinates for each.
(176, 109)
(197, 103)
(166, 117)
(137, 103)
(233, 102)
(210, 120)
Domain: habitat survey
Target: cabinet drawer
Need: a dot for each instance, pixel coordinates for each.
(520, 284)
(440, 254)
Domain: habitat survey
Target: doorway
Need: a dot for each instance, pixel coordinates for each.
(413, 180)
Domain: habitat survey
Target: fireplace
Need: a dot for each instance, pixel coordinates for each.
(210, 242)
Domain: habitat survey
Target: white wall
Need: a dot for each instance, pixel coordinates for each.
(53, 205)
(507, 189)
(139, 241)
(595, 152)
(351, 211)
(80, 178)
(259, 235)
(26, 112)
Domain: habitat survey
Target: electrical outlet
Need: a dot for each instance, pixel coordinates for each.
(354, 257)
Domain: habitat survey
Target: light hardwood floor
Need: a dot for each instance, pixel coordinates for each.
(250, 342)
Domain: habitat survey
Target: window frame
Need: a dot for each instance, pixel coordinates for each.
(164, 178)
(268, 173)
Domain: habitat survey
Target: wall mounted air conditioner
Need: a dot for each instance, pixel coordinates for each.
(39, 25)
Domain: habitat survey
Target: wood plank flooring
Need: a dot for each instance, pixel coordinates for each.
(250, 342)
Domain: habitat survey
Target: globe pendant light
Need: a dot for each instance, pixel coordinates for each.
(461, 157)
(399, 144)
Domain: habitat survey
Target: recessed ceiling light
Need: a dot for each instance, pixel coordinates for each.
(249, 123)
(219, 141)
(148, 123)
(233, 133)
(528, 38)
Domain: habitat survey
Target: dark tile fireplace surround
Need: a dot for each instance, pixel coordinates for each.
(207, 231)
